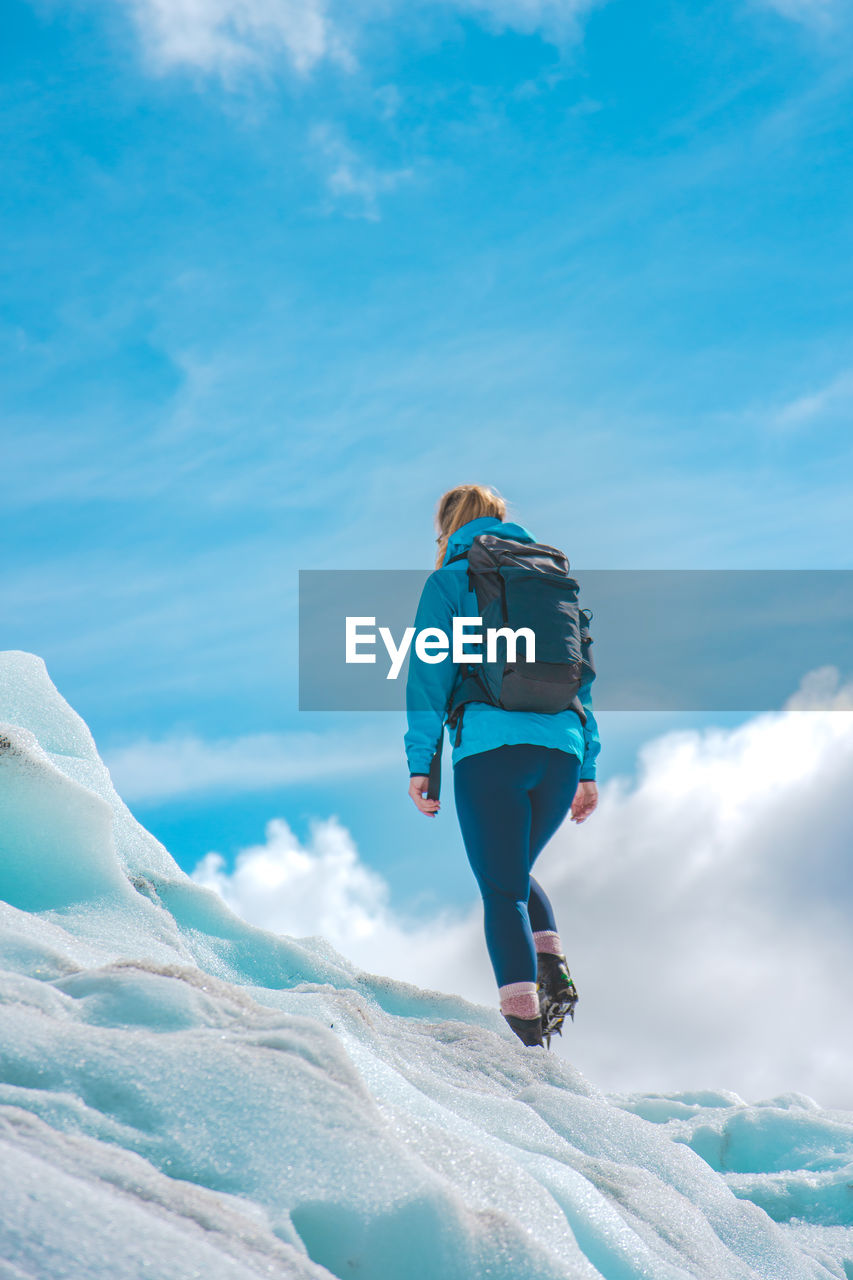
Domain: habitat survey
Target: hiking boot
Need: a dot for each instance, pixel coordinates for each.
(557, 994)
(528, 1030)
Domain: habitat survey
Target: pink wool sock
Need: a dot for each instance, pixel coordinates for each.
(519, 999)
(548, 943)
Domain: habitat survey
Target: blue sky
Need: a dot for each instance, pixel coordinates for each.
(274, 276)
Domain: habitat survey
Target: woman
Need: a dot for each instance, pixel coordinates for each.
(516, 776)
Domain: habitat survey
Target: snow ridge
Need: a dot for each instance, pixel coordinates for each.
(183, 1095)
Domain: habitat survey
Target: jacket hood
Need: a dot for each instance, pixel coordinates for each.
(466, 533)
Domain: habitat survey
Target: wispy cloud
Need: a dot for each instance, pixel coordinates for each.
(227, 36)
(833, 397)
(557, 20)
(181, 765)
(825, 404)
(353, 183)
(812, 13)
(705, 909)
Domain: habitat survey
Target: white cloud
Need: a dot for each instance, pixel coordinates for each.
(224, 36)
(184, 764)
(705, 908)
(821, 690)
(324, 888)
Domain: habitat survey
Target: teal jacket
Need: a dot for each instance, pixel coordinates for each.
(445, 596)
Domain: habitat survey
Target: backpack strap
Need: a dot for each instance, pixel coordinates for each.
(469, 689)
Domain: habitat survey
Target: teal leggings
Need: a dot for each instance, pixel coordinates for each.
(510, 801)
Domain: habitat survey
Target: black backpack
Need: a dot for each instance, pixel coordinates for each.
(523, 584)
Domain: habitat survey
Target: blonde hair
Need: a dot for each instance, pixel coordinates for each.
(459, 505)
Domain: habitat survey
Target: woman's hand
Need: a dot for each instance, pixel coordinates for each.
(418, 784)
(586, 798)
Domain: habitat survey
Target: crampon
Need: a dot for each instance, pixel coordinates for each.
(557, 995)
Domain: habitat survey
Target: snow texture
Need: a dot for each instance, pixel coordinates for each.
(184, 1095)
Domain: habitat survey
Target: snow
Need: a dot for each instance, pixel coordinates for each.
(185, 1095)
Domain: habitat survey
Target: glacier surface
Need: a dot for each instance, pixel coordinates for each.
(184, 1095)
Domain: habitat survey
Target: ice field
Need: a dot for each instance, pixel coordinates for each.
(183, 1095)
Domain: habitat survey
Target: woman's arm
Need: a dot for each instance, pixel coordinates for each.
(586, 797)
(591, 740)
(418, 784)
(430, 684)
